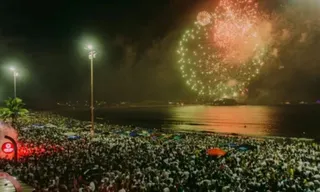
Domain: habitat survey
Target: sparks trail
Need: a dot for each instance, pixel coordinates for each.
(223, 51)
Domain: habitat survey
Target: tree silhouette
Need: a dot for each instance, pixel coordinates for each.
(14, 108)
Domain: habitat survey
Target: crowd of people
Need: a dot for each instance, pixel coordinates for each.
(116, 160)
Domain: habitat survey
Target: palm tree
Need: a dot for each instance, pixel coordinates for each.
(13, 110)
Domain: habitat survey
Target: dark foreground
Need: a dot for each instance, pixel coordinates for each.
(118, 159)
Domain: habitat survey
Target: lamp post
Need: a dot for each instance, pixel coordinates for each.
(15, 74)
(92, 55)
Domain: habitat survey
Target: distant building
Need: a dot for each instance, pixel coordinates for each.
(225, 102)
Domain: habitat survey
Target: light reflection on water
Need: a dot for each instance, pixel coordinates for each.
(296, 121)
(240, 119)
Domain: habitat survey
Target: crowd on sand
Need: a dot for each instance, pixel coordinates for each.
(60, 155)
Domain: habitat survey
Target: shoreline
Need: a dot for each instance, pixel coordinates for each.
(103, 121)
(251, 136)
(189, 132)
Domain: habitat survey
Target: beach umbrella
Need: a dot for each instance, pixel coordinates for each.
(216, 152)
(246, 147)
(243, 149)
(73, 137)
(133, 134)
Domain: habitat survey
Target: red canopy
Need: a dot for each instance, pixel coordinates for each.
(216, 152)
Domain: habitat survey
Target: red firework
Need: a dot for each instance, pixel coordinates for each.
(235, 31)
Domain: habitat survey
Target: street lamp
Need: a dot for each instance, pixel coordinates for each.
(92, 55)
(15, 75)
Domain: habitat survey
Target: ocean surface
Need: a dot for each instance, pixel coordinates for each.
(288, 121)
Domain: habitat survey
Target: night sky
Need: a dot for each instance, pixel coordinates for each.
(136, 42)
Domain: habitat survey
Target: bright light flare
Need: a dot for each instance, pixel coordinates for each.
(204, 18)
(90, 47)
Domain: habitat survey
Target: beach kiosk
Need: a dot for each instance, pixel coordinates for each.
(8, 141)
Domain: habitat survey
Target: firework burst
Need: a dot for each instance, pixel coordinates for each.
(236, 30)
(221, 54)
(204, 18)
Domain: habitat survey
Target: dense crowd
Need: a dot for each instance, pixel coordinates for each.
(116, 160)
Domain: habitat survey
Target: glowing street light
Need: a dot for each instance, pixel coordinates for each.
(15, 75)
(92, 55)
